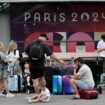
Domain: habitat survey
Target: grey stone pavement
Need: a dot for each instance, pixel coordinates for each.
(19, 99)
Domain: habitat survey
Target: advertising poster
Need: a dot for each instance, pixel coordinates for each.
(70, 27)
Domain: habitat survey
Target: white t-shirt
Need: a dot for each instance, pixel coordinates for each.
(101, 45)
(47, 94)
(85, 74)
(12, 56)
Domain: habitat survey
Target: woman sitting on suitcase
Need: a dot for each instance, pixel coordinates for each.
(83, 79)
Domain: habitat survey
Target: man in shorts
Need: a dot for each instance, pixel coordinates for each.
(37, 68)
(83, 79)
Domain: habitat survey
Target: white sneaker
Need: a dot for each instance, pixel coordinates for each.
(9, 95)
(28, 99)
(2, 95)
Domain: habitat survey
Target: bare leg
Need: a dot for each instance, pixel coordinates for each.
(35, 100)
(43, 81)
(35, 97)
(73, 83)
(1, 85)
(6, 85)
(36, 85)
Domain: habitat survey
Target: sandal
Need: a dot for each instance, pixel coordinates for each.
(76, 97)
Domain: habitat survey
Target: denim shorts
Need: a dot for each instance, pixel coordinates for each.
(83, 85)
(3, 71)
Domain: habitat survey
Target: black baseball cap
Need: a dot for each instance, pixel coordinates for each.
(44, 35)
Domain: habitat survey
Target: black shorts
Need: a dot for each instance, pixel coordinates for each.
(37, 72)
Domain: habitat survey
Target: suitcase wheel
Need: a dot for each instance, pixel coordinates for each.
(100, 90)
(27, 91)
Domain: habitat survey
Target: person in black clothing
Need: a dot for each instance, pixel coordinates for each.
(37, 67)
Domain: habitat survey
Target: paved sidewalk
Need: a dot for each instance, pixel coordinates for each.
(19, 99)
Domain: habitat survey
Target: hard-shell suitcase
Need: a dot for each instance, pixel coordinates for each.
(14, 83)
(67, 88)
(88, 94)
(57, 84)
(49, 72)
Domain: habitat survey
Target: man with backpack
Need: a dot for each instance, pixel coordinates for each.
(36, 51)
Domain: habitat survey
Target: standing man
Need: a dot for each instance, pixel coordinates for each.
(83, 79)
(37, 64)
(101, 48)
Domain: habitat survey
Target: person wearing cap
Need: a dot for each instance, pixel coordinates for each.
(101, 49)
(37, 68)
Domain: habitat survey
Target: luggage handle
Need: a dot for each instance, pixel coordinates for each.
(11, 67)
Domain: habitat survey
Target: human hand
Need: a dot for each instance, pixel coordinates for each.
(62, 62)
(75, 67)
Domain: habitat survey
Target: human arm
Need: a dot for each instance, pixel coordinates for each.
(5, 60)
(75, 75)
(57, 59)
(50, 53)
(100, 49)
(100, 46)
(16, 54)
(3, 57)
(35, 99)
(43, 97)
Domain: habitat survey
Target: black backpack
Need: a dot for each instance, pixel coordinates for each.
(36, 51)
